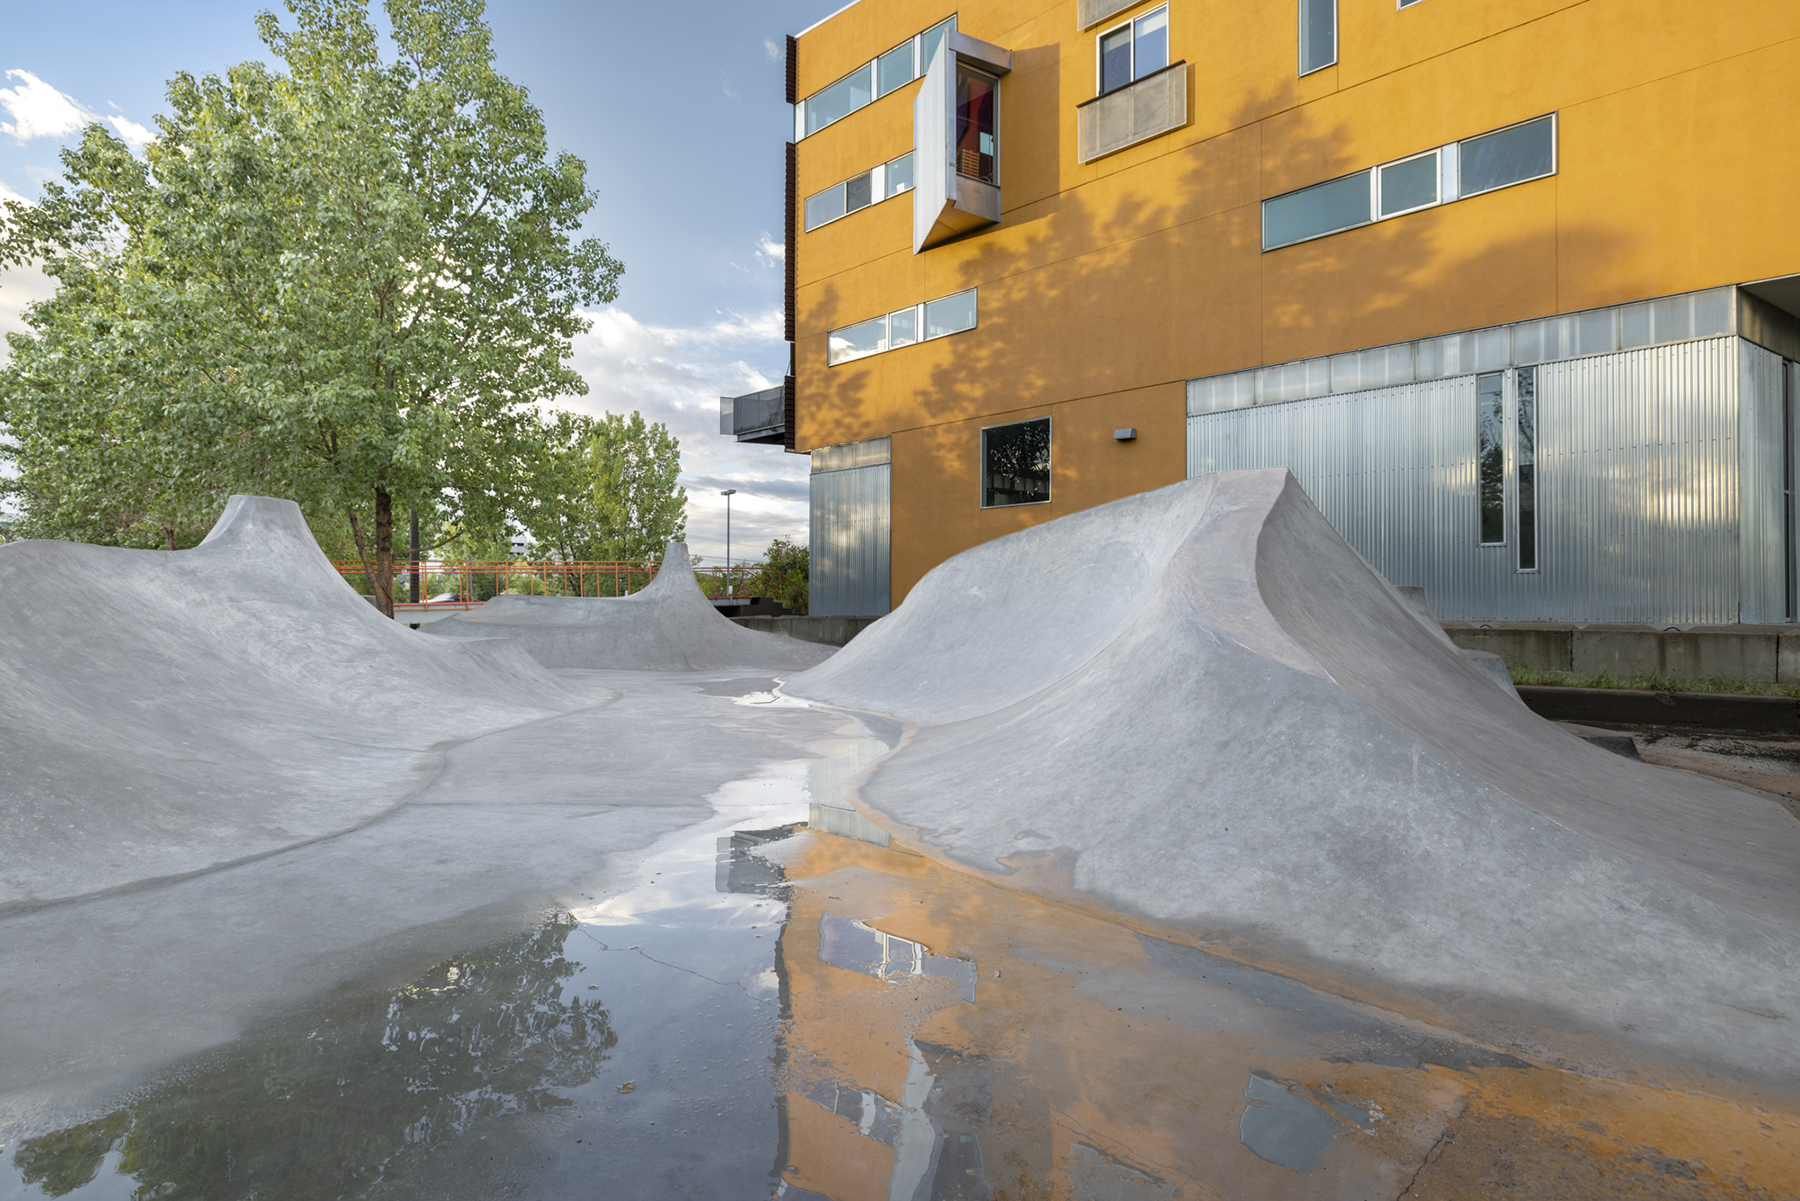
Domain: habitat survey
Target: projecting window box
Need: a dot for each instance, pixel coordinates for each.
(1484, 163)
(903, 327)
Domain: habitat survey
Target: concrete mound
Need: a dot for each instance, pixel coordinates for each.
(669, 626)
(1247, 733)
(161, 713)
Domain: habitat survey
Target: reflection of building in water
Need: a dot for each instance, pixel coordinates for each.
(740, 869)
(862, 948)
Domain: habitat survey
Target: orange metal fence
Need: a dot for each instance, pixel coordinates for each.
(470, 581)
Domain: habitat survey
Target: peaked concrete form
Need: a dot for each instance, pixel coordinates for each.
(162, 713)
(1250, 735)
(669, 626)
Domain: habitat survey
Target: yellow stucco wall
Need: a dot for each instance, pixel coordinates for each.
(1108, 284)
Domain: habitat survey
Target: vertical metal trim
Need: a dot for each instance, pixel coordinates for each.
(788, 413)
(793, 69)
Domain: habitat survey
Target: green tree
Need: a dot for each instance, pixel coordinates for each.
(349, 283)
(784, 575)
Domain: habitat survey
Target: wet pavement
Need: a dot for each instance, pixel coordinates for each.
(771, 1009)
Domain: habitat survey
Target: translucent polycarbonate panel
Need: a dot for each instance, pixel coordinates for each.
(1635, 487)
(894, 69)
(1318, 34)
(1490, 456)
(950, 314)
(858, 193)
(1509, 156)
(842, 456)
(839, 100)
(1525, 463)
(899, 175)
(857, 341)
(824, 207)
(849, 539)
(1410, 184)
(903, 327)
(1115, 58)
(1015, 463)
(1765, 561)
(1313, 212)
(1150, 43)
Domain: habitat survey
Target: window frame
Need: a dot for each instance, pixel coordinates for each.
(871, 69)
(885, 172)
(921, 332)
(1300, 67)
(1555, 154)
(1435, 154)
(1371, 219)
(981, 488)
(1100, 37)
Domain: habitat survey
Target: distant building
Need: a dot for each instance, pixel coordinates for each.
(1511, 288)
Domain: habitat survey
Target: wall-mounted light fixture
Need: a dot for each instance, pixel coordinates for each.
(1125, 435)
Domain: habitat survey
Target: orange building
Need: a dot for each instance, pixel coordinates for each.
(1501, 283)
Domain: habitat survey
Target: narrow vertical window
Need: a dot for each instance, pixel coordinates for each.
(1015, 463)
(1318, 34)
(976, 97)
(1490, 456)
(1525, 463)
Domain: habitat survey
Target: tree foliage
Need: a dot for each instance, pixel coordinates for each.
(785, 574)
(349, 282)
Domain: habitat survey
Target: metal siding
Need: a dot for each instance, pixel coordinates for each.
(1637, 489)
(849, 537)
(1762, 557)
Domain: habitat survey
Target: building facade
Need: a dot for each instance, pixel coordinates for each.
(1511, 288)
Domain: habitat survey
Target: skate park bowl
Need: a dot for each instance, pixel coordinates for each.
(668, 626)
(1254, 739)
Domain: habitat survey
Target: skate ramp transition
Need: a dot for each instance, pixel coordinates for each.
(166, 712)
(1250, 735)
(669, 626)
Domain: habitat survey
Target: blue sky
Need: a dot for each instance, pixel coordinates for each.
(677, 109)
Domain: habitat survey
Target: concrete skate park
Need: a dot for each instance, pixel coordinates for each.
(1235, 878)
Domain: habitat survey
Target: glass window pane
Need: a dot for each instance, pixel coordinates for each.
(975, 150)
(1525, 451)
(1115, 58)
(1318, 34)
(894, 69)
(928, 42)
(856, 341)
(1152, 43)
(950, 315)
(1490, 457)
(825, 206)
(839, 100)
(857, 193)
(899, 175)
(1015, 463)
(1409, 185)
(903, 327)
(1321, 209)
(1509, 156)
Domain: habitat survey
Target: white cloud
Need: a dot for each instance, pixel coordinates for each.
(7, 193)
(769, 252)
(18, 288)
(676, 376)
(39, 110)
(771, 49)
(133, 134)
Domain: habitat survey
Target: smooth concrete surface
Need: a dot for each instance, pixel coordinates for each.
(669, 626)
(1252, 737)
(1757, 654)
(169, 712)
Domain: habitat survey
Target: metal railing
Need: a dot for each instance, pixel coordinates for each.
(472, 581)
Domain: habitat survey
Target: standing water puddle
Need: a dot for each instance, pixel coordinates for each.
(777, 1011)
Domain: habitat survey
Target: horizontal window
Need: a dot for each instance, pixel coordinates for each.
(903, 327)
(876, 78)
(1324, 208)
(859, 192)
(1133, 50)
(1509, 156)
(1517, 154)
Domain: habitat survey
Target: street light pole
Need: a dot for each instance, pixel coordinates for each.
(728, 494)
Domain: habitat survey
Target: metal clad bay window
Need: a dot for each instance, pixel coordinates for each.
(1490, 455)
(1015, 463)
(938, 318)
(1525, 462)
(1134, 50)
(872, 80)
(1509, 156)
(1318, 34)
(859, 192)
(1324, 208)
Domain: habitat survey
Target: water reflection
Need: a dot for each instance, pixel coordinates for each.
(358, 1097)
(845, 942)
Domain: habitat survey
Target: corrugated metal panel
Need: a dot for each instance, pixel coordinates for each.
(850, 538)
(1637, 494)
(1762, 562)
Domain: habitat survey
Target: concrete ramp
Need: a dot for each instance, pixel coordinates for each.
(165, 712)
(669, 626)
(1246, 733)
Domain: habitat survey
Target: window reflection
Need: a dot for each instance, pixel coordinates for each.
(1015, 463)
(975, 125)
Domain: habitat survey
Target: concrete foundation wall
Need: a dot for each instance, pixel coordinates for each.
(1760, 654)
(832, 631)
